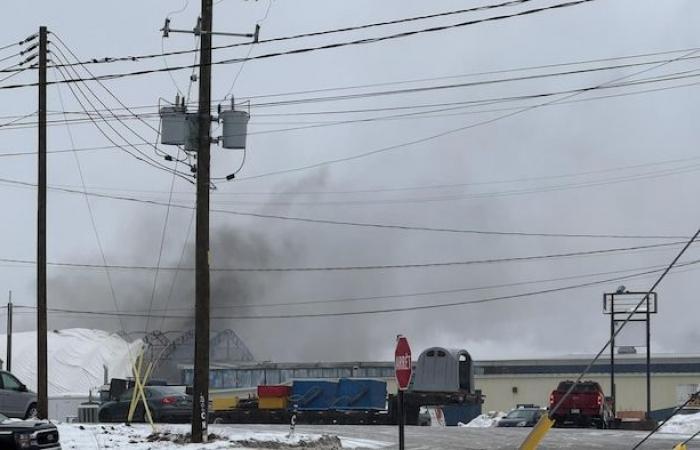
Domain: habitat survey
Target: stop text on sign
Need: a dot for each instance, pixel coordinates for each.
(403, 362)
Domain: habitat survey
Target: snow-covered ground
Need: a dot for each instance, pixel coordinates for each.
(76, 358)
(484, 420)
(682, 424)
(141, 437)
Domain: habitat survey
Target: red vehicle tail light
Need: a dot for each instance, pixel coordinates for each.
(551, 399)
(169, 400)
(600, 399)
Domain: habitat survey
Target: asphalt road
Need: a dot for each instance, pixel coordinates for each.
(434, 438)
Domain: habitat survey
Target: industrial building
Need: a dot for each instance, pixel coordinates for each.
(508, 383)
(504, 383)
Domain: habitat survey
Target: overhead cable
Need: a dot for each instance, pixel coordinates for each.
(435, 264)
(133, 58)
(453, 304)
(572, 94)
(311, 49)
(406, 295)
(351, 223)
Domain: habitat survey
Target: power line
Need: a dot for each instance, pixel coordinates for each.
(14, 55)
(441, 87)
(314, 49)
(14, 74)
(18, 119)
(110, 147)
(155, 147)
(482, 195)
(89, 119)
(389, 83)
(380, 311)
(67, 150)
(437, 264)
(5, 47)
(475, 74)
(109, 91)
(353, 223)
(144, 157)
(647, 270)
(446, 185)
(19, 43)
(429, 79)
(573, 93)
(457, 105)
(133, 58)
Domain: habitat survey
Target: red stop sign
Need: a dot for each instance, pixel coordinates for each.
(402, 362)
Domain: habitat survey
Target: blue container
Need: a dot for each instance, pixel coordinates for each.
(460, 413)
(360, 393)
(313, 394)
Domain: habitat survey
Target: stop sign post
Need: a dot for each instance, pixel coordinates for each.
(403, 368)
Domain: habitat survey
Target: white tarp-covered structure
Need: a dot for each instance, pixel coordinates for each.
(76, 358)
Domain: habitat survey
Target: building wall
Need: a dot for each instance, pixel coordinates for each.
(535, 389)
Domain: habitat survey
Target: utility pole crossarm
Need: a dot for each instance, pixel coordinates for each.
(199, 31)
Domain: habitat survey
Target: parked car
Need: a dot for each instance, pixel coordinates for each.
(28, 435)
(521, 417)
(586, 406)
(15, 399)
(166, 403)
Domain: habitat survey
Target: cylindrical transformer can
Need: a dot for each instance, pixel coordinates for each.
(235, 128)
(173, 128)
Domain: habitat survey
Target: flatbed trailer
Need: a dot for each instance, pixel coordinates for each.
(413, 401)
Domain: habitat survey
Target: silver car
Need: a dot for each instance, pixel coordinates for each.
(15, 400)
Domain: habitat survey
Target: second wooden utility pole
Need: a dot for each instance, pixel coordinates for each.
(41, 326)
(9, 334)
(202, 289)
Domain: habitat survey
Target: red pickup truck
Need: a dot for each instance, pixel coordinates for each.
(586, 406)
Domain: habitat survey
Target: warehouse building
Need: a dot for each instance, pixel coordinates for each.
(504, 383)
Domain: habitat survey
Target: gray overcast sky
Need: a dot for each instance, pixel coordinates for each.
(545, 170)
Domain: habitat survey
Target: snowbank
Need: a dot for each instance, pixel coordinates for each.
(484, 420)
(139, 437)
(682, 424)
(75, 358)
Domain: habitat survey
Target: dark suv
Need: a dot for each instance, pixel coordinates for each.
(15, 400)
(28, 435)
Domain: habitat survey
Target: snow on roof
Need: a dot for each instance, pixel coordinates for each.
(76, 358)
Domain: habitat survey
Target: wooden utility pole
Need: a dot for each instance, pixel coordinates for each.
(202, 288)
(8, 352)
(41, 327)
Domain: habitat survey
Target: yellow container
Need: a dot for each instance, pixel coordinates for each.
(272, 403)
(224, 402)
